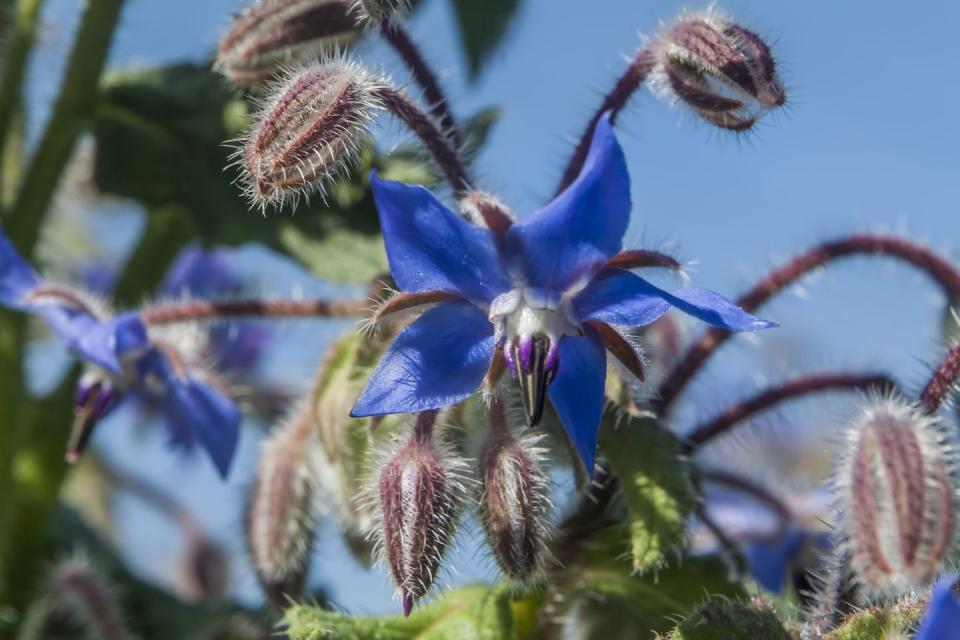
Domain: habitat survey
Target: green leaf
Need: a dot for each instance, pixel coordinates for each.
(471, 613)
(655, 482)
(482, 27)
(723, 619)
(477, 129)
(877, 623)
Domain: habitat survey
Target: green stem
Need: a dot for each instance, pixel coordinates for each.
(72, 112)
(22, 33)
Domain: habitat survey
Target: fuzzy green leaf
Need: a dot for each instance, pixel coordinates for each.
(723, 619)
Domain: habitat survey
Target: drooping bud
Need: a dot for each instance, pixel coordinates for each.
(308, 132)
(897, 498)
(280, 517)
(513, 501)
(374, 11)
(420, 494)
(95, 397)
(725, 73)
(273, 33)
(77, 591)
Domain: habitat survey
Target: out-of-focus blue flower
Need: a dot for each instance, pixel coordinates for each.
(532, 292)
(123, 358)
(942, 620)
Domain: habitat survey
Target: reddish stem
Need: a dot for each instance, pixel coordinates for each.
(641, 258)
(944, 378)
(769, 398)
(941, 271)
(615, 101)
(423, 427)
(757, 492)
(221, 309)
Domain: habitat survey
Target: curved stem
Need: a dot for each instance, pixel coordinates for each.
(71, 114)
(446, 157)
(728, 545)
(223, 309)
(400, 40)
(642, 259)
(755, 491)
(769, 398)
(944, 378)
(615, 101)
(939, 270)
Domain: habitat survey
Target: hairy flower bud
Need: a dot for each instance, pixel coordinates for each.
(420, 495)
(280, 518)
(513, 503)
(76, 590)
(722, 71)
(308, 132)
(897, 498)
(274, 33)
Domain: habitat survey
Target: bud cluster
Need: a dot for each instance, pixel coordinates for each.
(897, 497)
(725, 73)
(274, 33)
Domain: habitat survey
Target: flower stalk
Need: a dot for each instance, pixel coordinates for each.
(945, 378)
(226, 309)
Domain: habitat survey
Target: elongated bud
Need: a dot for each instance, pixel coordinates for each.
(897, 497)
(725, 73)
(274, 33)
(77, 591)
(513, 500)
(308, 132)
(372, 12)
(420, 496)
(280, 519)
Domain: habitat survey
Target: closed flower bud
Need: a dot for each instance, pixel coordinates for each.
(420, 495)
(280, 519)
(722, 71)
(897, 499)
(274, 33)
(513, 504)
(308, 132)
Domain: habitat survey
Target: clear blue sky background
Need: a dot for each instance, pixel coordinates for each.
(869, 142)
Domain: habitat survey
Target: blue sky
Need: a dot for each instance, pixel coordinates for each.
(869, 142)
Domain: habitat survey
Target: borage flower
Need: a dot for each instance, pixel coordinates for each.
(943, 616)
(120, 357)
(544, 292)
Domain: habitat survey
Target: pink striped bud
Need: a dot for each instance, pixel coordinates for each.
(420, 495)
(308, 132)
(897, 497)
(722, 71)
(280, 517)
(272, 34)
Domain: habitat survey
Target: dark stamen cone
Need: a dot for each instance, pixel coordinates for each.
(534, 374)
(280, 518)
(513, 502)
(897, 498)
(725, 73)
(274, 33)
(420, 496)
(308, 132)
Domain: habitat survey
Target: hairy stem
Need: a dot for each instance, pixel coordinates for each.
(224, 309)
(945, 377)
(423, 75)
(642, 258)
(614, 102)
(446, 157)
(769, 398)
(946, 276)
(71, 114)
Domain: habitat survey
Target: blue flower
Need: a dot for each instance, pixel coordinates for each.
(942, 621)
(123, 358)
(536, 292)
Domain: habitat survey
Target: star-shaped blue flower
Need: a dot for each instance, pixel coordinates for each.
(541, 292)
(942, 620)
(123, 358)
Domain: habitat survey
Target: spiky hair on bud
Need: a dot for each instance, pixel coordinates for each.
(725, 73)
(78, 592)
(307, 132)
(272, 33)
(420, 488)
(280, 515)
(372, 12)
(897, 497)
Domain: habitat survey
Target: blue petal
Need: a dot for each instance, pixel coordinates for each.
(201, 273)
(577, 391)
(771, 562)
(942, 620)
(430, 247)
(573, 236)
(103, 343)
(435, 362)
(620, 297)
(17, 277)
